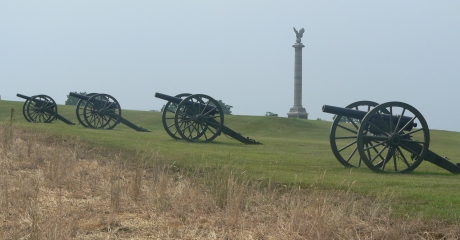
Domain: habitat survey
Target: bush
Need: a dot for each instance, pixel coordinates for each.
(270, 114)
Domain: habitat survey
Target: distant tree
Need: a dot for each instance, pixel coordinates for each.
(73, 100)
(227, 109)
(270, 114)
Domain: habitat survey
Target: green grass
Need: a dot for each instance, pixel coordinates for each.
(294, 152)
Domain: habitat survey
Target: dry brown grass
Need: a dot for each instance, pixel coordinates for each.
(58, 188)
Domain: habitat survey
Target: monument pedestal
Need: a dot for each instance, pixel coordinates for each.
(297, 112)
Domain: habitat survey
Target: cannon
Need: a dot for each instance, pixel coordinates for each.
(41, 109)
(392, 137)
(196, 118)
(101, 111)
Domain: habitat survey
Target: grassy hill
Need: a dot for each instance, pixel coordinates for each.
(294, 152)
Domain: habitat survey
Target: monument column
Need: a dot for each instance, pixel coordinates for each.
(297, 111)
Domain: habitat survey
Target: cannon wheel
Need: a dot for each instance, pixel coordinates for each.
(194, 122)
(41, 109)
(24, 112)
(102, 111)
(344, 133)
(79, 110)
(395, 150)
(168, 112)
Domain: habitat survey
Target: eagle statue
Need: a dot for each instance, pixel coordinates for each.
(299, 34)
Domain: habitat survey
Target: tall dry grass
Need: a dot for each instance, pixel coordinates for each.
(56, 187)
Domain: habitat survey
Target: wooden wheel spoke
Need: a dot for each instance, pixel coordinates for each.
(350, 130)
(345, 137)
(347, 146)
(352, 154)
(353, 122)
(390, 154)
(387, 128)
(401, 154)
(378, 128)
(379, 154)
(409, 149)
(400, 117)
(412, 132)
(407, 124)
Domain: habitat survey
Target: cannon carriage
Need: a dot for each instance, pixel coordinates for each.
(390, 137)
(41, 109)
(101, 111)
(196, 118)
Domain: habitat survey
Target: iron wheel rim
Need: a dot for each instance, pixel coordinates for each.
(24, 111)
(199, 118)
(102, 111)
(167, 117)
(79, 110)
(41, 109)
(395, 149)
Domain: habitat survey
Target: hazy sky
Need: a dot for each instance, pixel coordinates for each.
(237, 51)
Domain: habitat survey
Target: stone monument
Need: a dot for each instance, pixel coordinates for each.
(297, 111)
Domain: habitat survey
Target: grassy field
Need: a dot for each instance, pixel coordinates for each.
(294, 152)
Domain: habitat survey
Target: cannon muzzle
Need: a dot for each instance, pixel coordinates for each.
(351, 113)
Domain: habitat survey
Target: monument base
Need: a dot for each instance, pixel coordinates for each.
(297, 112)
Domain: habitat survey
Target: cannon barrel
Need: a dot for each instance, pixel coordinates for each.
(344, 112)
(351, 113)
(31, 98)
(168, 98)
(79, 96)
(179, 100)
(23, 96)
